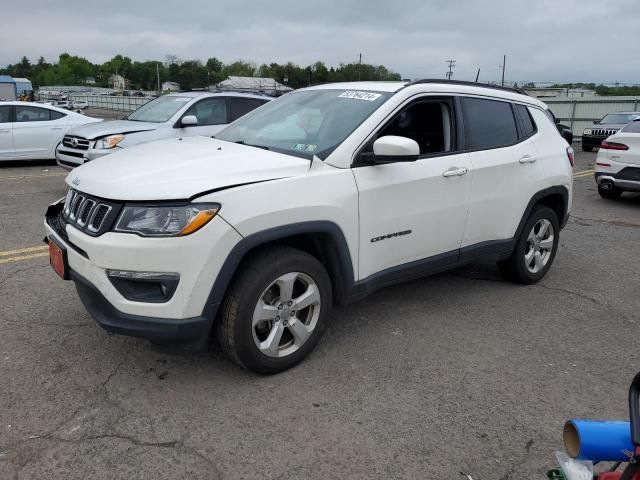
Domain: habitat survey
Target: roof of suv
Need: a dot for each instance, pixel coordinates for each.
(219, 94)
(444, 86)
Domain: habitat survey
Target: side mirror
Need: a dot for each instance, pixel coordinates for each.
(189, 121)
(390, 149)
(596, 122)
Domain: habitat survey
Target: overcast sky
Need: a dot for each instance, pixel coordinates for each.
(544, 40)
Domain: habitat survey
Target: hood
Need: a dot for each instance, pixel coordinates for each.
(606, 126)
(111, 127)
(180, 169)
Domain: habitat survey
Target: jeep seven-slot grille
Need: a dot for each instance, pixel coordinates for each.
(603, 132)
(91, 215)
(79, 143)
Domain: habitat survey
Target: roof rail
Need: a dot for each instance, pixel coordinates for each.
(468, 84)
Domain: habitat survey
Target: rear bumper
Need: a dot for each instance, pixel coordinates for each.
(161, 331)
(627, 179)
(594, 142)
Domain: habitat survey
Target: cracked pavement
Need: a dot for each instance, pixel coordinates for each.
(454, 375)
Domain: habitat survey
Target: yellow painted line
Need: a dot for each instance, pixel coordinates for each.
(583, 175)
(20, 177)
(23, 257)
(8, 253)
(584, 172)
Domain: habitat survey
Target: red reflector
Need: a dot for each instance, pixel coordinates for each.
(603, 164)
(613, 146)
(570, 155)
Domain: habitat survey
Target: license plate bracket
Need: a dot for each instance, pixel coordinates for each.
(58, 259)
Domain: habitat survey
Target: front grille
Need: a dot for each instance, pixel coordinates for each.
(92, 215)
(71, 154)
(603, 132)
(72, 141)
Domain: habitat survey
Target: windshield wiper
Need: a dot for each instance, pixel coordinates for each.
(242, 142)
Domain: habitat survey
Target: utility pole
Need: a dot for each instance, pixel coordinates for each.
(452, 63)
(359, 65)
(477, 75)
(158, 76)
(504, 63)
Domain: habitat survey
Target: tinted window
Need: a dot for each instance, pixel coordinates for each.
(56, 115)
(488, 123)
(212, 111)
(31, 114)
(241, 106)
(159, 110)
(5, 114)
(633, 127)
(526, 122)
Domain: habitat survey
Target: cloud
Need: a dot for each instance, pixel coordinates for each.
(588, 40)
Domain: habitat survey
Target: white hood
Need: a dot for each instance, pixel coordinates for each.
(180, 169)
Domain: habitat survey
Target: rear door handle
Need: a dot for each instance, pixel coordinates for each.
(5, 131)
(455, 172)
(56, 128)
(527, 159)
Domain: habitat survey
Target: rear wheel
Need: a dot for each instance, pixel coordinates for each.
(587, 148)
(535, 248)
(611, 193)
(275, 310)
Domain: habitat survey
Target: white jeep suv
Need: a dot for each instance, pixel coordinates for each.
(319, 197)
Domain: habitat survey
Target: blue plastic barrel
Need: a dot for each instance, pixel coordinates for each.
(598, 440)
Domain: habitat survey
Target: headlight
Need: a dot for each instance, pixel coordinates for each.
(587, 131)
(110, 141)
(166, 221)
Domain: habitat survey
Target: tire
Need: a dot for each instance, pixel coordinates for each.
(610, 194)
(258, 282)
(586, 148)
(534, 252)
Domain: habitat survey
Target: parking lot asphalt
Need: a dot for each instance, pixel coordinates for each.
(453, 375)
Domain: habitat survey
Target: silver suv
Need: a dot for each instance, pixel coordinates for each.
(172, 116)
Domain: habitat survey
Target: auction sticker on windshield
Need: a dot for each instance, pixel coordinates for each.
(370, 97)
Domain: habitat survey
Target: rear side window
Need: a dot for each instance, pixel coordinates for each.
(527, 126)
(241, 106)
(488, 123)
(5, 114)
(56, 115)
(633, 127)
(31, 114)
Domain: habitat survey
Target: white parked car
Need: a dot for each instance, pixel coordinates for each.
(618, 162)
(171, 116)
(323, 195)
(79, 104)
(30, 130)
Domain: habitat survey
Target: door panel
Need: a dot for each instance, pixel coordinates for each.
(34, 134)
(410, 210)
(6, 132)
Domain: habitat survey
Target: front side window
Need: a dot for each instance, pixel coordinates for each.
(633, 127)
(159, 110)
(305, 123)
(429, 123)
(488, 123)
(5, 114)
(211, 111)
(31, 114)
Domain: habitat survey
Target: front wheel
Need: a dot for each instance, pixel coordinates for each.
(535, 248)
(275, 310)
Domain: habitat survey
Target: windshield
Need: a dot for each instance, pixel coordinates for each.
(305, 123)
(159, 110)
(618, 118)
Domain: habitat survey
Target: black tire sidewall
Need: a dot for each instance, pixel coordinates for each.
(245, 347)
(610, 194)
(521, 270)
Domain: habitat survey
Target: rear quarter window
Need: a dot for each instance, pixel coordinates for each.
(527, 125)
(488, 123)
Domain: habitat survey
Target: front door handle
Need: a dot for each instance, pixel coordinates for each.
(56, 128)
(527, 159)
(455, 172)
(5, 131)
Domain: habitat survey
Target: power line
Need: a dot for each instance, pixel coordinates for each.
(452, 63)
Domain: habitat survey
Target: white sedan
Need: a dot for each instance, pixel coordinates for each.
(30, 130)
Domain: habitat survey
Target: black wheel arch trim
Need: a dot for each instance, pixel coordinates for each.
(556, 190)
(345, 278)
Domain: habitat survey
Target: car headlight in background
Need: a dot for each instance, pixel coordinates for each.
(110, 141)
(587, 131)
(166, 221)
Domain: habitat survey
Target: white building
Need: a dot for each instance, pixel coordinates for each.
(118, 82)
(170, 86)
(254, 84)
(559, 92)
